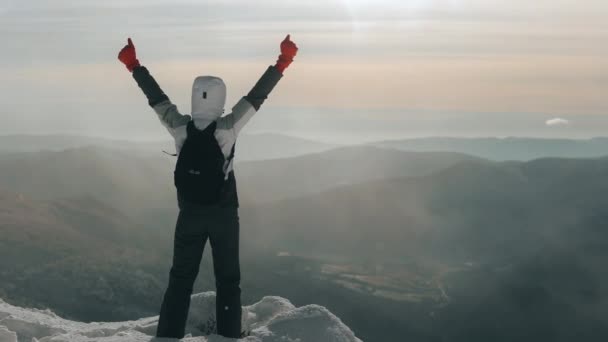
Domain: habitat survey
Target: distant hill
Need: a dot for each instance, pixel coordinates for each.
(274, 146)
(249, 147)
(520, 243)
(506, 148)
(20, 143)
(271, 180)
(117, 177)
(518, 246)
(143, 183)
(55, 252)
(348, 189)
(485, 208)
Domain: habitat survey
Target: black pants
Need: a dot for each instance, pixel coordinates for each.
(196, 224)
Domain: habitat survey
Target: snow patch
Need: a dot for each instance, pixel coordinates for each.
(7, 335)
(272, 319)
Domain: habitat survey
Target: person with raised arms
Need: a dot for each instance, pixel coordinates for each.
(206, 187)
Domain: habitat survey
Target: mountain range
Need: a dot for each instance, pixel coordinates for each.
(251, 146)
(510, 148)
(273, 146)
(428, 241)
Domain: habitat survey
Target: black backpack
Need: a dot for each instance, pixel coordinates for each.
(199, 173)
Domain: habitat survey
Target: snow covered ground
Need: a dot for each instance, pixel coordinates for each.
(273, 319)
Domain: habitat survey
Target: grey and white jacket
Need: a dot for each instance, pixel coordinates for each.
(208, 101)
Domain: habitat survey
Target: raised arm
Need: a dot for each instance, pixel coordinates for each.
(167, 112)
(251, 103)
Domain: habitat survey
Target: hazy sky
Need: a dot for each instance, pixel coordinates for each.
(367, 69)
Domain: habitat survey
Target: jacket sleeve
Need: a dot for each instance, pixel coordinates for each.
(263, 87)
(244, 110)
(167, 112)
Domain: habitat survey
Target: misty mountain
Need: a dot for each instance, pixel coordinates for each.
(89, 262)
(496, 203)
(119, 178)
(429, 242)
(124, 178)
(520, 247)
(506, 148)
(273, 146)
(266, 181)
(250, 146)
(25, 143)
(64, 253)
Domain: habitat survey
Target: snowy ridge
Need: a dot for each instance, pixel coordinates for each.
(273, 319)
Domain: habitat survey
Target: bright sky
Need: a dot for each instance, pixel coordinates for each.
(367, 69)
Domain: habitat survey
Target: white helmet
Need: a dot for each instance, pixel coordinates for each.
(208, 100)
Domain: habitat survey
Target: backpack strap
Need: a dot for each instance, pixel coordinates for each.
(231, 156)
(190, 128)
(228, 161)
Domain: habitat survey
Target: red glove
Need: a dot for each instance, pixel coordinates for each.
(128, 56)
(288, 52)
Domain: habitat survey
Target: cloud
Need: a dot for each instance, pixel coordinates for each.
(557, 122)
